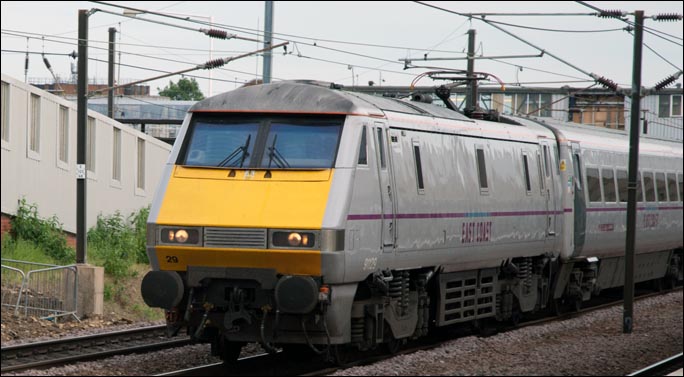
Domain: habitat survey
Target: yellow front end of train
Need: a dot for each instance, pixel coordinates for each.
(235, 232)
(268, 203)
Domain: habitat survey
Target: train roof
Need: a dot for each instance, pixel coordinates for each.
(604, 138)
(314, 97)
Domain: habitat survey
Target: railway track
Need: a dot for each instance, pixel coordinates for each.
(68, 350)
(662, 368)
(285, 363)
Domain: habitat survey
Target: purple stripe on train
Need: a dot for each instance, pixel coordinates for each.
(456, 215)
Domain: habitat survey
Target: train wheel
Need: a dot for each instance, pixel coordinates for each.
(392, 345)
(556, 306)
(516, 314)
(515, 317)
(341, 354)
(659, 284)
(229, 351)
(576, 304)
(298, 351)
(670, 282)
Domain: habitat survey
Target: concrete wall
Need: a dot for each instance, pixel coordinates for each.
(40, 177)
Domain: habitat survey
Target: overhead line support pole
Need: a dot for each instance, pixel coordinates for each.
(81, 135)
(268, 41)
(471, 97)
(110, 76)
(627, 318)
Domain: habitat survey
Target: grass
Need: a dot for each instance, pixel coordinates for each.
(122, 297)
(24, 251)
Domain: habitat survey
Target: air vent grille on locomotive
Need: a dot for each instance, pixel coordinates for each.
(235, 237)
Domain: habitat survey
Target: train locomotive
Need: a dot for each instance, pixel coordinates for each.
(296, 213)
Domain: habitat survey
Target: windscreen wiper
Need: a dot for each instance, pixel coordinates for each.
(274, 154)
(239, 154)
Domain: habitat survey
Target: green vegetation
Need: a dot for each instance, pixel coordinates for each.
(45, 234)
(185, 90)
(116, 242)
(23, 250)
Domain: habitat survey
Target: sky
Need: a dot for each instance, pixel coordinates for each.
(349, 43)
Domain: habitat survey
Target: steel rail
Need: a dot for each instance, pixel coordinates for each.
(88, 347)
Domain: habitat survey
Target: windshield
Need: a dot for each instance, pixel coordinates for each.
(275, 142)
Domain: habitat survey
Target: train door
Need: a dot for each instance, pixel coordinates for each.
(386, 188)
(549, 191)
(580, 206)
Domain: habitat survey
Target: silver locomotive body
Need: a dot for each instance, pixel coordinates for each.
(425, 218)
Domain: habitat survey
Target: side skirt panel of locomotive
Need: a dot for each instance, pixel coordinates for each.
(297, 214)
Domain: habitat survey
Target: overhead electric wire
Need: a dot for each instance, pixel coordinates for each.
(662, 32)
(207, 32)
(162, 71)
(553, 30)
(530, 14)
(631, 23)
(545, 82)
(32, 35)
(536, 69)
(662, 57)
(220, 69)
(36, 52)
(608, 83)
(153, 57)
(355, 65)
(257, 32)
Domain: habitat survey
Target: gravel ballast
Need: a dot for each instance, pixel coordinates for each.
(592, 344)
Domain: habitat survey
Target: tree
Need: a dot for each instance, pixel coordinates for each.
(186, 89)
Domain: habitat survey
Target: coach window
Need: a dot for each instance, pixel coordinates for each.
(419, 168)
(557, 153)
(526, 170)
(672, 186)
(547, 161)
(649, 187)
(577, 170)
(593, 185)
(608, 181)
(363, 150)
(482, 170)
(680, 178)
(660, 183)
(381, 147)
(541, 173)
(622, 185)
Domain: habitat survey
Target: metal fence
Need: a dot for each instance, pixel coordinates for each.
(42, 290)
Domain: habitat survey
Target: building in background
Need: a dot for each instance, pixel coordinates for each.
(39, 158)
(133, 105)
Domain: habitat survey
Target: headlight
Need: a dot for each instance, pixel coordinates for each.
(180, 236)
(293, 239)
